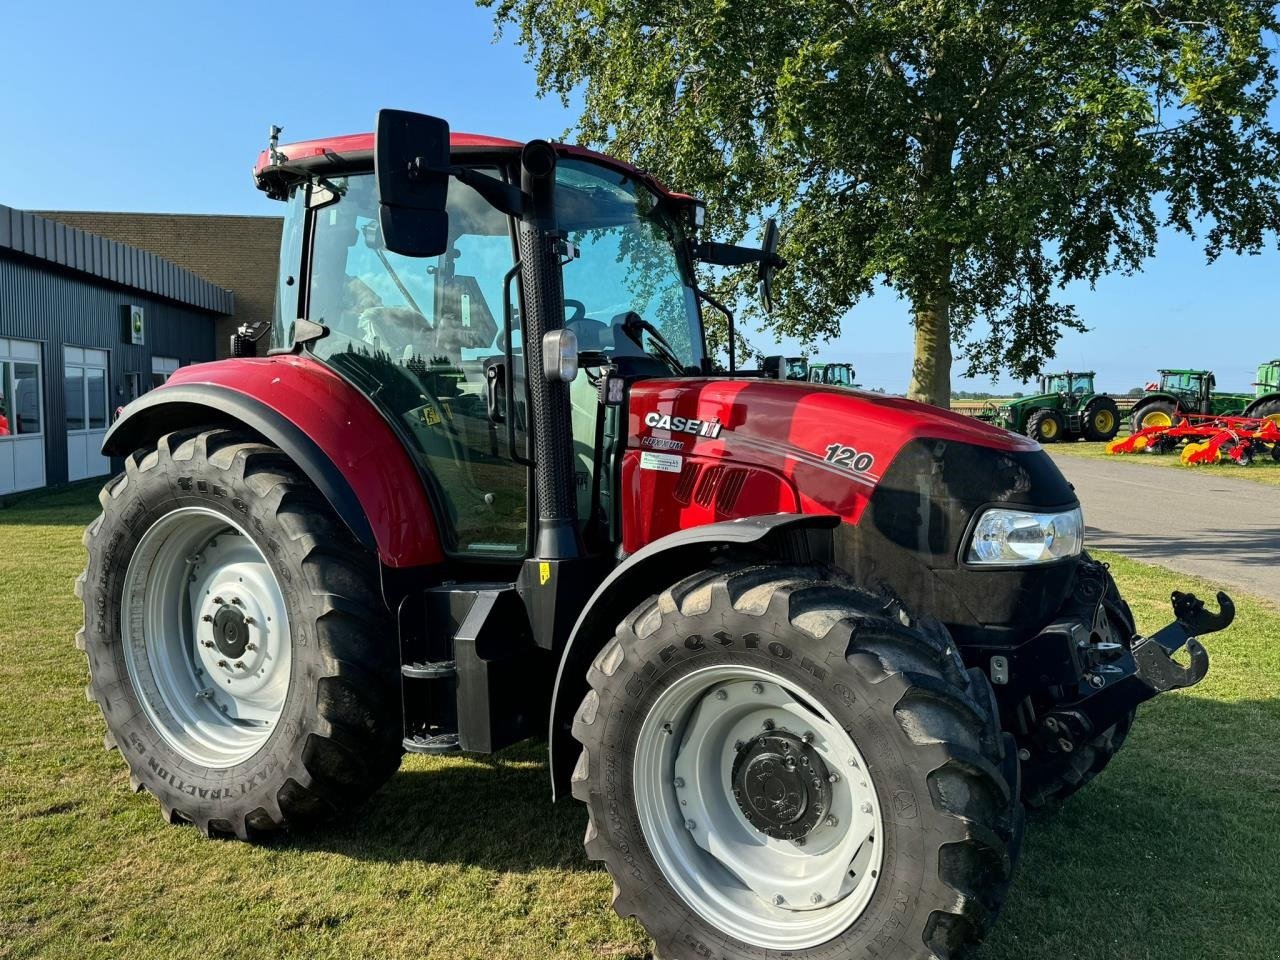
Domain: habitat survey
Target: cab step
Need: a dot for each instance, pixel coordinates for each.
(438, 670)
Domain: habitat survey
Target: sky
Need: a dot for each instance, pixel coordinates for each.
(163, 107)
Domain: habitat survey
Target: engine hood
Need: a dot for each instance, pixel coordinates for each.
(826, 448)
(907, 479)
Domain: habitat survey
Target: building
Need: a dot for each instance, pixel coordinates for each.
(86, 325)
(240, 253)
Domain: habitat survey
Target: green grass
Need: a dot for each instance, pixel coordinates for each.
(1172, 854)
(1262, 470)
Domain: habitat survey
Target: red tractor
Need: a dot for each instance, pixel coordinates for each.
(803, 653)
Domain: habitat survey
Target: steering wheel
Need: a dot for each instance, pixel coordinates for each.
(579, 311)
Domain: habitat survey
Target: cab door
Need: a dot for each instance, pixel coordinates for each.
(419, 337)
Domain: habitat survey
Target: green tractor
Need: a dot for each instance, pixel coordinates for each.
(835, 374)
(1192, 391)
(1066, 408)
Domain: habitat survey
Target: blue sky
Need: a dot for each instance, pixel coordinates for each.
(152, 106)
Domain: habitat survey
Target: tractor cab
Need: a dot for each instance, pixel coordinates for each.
(1192, 387)
(833, 374)
(1068, 384)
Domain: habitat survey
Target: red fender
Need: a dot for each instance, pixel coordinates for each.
(314, 407)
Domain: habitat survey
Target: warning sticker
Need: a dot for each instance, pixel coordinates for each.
(666, 462)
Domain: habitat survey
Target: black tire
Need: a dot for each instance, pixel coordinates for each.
(1142, 411)
(1046, 426)
(1268, 409)
(1049, 779)
(1101, 419)
(928, 731)
(339, 734)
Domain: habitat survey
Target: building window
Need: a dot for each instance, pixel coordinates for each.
(162, 368)
(85, 385)
(19, 388)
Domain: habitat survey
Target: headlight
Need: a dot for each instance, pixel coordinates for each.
(1021, 537)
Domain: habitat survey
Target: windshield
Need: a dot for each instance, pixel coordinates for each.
(840, 375)
(628, 280)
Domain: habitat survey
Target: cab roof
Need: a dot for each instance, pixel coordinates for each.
(358, 148)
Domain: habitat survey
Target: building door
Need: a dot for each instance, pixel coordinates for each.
(86, 388)
(21, 425)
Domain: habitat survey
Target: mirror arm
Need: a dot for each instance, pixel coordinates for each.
(502, 196)
(727, 254)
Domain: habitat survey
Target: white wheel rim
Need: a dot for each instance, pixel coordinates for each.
(766, 892)
(206, 637)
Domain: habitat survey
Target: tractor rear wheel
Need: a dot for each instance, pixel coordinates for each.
(1048, 779)
(775, 763)
(1045, 425)
(1156, 413)
(1101, 419)
(236, 639)
(1270, 410)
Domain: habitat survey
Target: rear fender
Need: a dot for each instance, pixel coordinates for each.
(777, 538)
(334, 435)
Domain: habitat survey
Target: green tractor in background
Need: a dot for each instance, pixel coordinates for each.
(835, 374)
(1192, 391)
(1066, 408)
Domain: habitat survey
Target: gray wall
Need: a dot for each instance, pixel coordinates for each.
(56, 310)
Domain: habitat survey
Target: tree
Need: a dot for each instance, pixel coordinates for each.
(972, 156)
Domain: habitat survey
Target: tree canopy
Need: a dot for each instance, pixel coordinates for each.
(971, 155)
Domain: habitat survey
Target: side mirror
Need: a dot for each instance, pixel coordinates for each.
(768, 263)
(411, 161)
(771, 367)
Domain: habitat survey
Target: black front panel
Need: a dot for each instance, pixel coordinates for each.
(908, 540)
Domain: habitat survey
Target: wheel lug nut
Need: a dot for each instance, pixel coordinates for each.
(222, 663)
(778, 900)
(678, 782)
(757, 688)
(834, 778)
(239, 664)
(768, 725)
(798, 841)
(206, 643)
(237, 601)
(666, 729)
(738, 745)
(832, 821)
(808, 736)
(250, 621)
(815, 898)
(251, 646)
(866, 807)
(690, 825)
(722, 695)
(207, 618)
(219, 601)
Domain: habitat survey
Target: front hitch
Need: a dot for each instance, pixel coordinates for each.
(1153, 654)
(1114, 676)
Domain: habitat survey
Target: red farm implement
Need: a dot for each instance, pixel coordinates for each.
(1207, 439)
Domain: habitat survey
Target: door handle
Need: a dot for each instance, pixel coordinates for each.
(495, 376)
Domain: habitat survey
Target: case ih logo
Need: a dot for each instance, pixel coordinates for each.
(710, 429)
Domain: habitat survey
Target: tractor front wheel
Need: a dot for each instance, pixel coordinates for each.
(236, 639)
(777, 764)
(1045, 425)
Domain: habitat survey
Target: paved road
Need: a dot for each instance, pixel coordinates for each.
(1196, 521)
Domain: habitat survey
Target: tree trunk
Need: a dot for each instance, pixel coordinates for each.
(931, 368)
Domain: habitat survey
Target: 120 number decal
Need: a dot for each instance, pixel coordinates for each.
(843, 456)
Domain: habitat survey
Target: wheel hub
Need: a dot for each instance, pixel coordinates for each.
(230, 631)
(781, 785)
